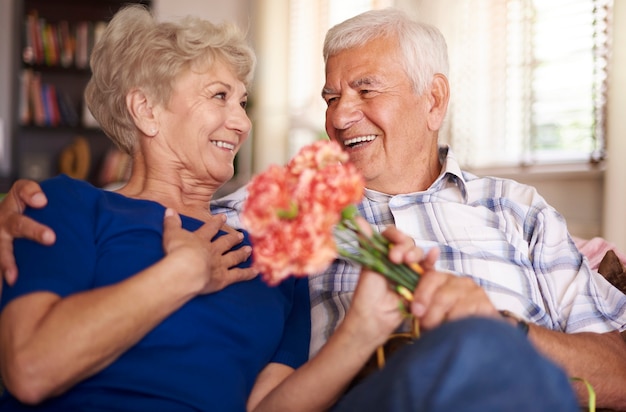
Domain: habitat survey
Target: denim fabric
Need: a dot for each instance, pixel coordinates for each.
(470, 365)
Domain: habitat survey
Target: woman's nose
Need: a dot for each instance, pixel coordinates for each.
(239, 121)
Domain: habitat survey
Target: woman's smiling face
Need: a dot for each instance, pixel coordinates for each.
(205, 122)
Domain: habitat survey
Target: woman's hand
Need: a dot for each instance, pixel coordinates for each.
(211, 261)
(13, 224)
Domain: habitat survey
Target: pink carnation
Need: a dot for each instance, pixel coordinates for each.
(291, 211)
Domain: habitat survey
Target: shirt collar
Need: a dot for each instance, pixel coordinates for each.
(451, 174)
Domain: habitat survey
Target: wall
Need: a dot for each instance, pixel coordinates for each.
(213, 10)
(614, 227)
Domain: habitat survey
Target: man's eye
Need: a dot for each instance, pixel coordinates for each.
(244, 104)
(330, 100)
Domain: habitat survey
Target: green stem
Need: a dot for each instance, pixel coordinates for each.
(372, 252)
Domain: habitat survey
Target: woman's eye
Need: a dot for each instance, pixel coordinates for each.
(221, 96)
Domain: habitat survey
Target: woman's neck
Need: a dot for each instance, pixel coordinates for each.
(187, 196)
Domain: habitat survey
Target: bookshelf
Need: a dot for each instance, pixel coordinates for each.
(52, 132)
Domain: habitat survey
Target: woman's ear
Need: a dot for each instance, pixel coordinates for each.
(141, 110)
(439, 97)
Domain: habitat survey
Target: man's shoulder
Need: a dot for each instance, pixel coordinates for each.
(230, 205)
(231, 201)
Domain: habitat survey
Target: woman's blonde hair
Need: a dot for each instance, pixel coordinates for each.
(136, 51)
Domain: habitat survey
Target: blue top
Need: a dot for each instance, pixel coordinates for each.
(205, 356)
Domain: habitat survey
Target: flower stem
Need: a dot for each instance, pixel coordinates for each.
(372, 252)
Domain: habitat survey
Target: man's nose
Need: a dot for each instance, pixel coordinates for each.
(345, 112)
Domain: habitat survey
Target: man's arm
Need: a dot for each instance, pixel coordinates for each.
(599, 358)
(13, 224)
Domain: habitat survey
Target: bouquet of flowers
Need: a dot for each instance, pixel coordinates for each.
(294, 213)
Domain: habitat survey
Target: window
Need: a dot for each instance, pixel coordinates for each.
(528, 81)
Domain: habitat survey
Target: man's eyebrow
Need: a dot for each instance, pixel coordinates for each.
(363, 81)
(367, 81)
(326, 91)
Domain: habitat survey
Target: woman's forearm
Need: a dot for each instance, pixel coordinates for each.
(49, 344)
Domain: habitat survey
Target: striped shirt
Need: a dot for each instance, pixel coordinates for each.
(498, 232)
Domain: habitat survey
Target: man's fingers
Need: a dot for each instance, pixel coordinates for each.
(171, 222)
(8, 268)
(426, 288)
(29, 193)
(171, 219)
(442, 297)
(364, 225)
(20, 226)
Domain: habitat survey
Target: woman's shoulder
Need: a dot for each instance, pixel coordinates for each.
(65, 185)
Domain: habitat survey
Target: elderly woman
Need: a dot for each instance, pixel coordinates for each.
(123, 311)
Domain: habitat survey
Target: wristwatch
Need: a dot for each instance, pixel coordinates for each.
(521, 324)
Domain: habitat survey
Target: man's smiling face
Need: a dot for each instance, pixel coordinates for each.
(375, 114)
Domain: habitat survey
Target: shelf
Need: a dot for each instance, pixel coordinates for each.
(58, 69)
(40, 136)
(60, 129)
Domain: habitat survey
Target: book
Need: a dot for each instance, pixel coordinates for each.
(24, 109)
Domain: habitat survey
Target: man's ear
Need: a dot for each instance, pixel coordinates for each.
(142, 111)
(439, 97)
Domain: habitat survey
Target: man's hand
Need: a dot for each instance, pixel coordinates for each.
(13, 224)
(441, 297)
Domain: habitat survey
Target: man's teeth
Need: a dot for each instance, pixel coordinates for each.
(359, 139)
(224, 145)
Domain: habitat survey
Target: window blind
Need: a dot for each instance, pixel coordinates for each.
(528, 81)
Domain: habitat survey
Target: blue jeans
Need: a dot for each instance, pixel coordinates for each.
(474, 364)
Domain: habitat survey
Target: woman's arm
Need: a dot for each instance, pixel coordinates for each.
(49, 343)
(319, 383)
(374, 314)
